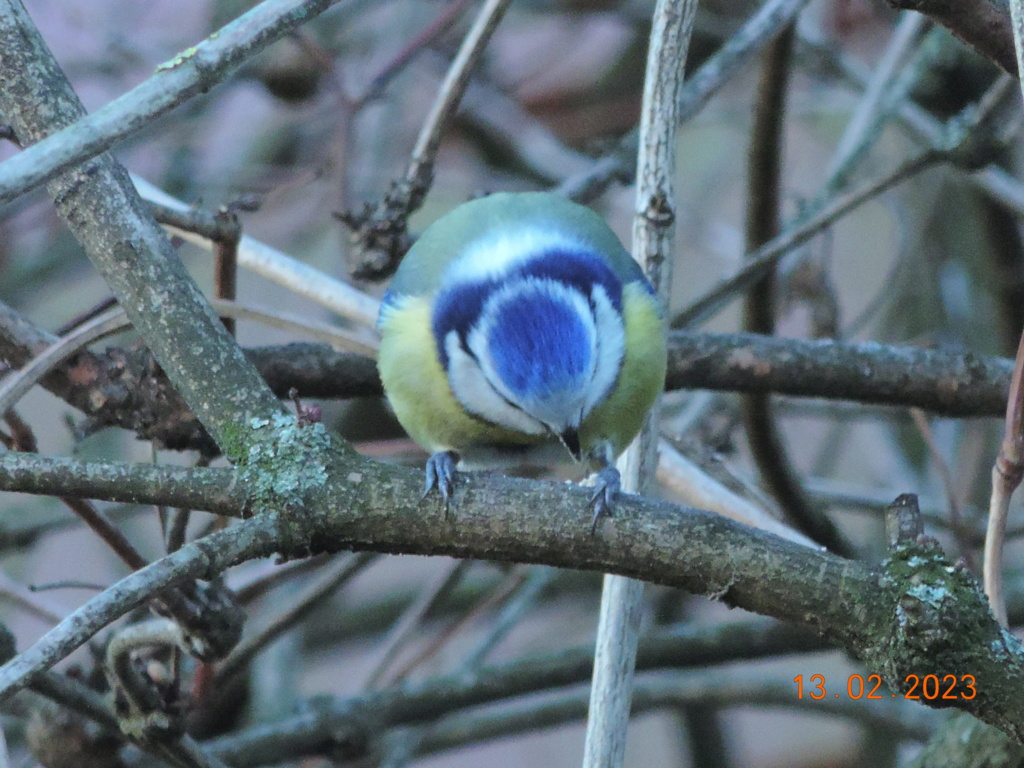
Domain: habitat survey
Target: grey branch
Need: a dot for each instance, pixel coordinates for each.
(191, 73)
(329, 500)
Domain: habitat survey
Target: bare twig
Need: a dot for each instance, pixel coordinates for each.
(764, 258)
(17, 385)
(695, 487)
(1007, 473)
(312, 595)
(524, 597)
(621, 612)
(278, 267)
(192, 72)
(38, 605)
(956, 524)
(771, 17)
(878, 100)
(487, 602)
(960, 142)
(1008, 469)
(432, 31)
(403, 630)
(380, 232)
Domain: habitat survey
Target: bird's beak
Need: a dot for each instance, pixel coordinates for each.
(571, 440)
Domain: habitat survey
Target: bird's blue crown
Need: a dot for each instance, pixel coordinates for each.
(459, 305)
(532, 338)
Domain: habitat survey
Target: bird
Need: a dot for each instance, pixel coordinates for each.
(518, 331)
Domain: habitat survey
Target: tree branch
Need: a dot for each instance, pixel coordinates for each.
(917, 615)
(118, 232)
(192, 72)
(981, 24)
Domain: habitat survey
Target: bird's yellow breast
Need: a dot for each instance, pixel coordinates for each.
(418, 390)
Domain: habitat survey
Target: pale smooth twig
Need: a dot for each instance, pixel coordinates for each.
(621, 613)
(18, 384)
(878, 96)
(697, 488)
(279, 267)
(115, 320)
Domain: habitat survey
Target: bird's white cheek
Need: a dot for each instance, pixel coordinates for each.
(611, 339)
(472, 389)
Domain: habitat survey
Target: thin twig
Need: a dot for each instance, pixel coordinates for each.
(24, 440)
(621, 612)
(762, 26)
(1007, 472)
(404, 629)
(957, 142)
(956, 523)
(280, 268)
(23, 597)
(764, 258)
(115, 320)
(443, 23)
(1008, 469)
(381, 232)
(697, 488)
(312, 595)
(18, 384)
(521, 600)
(877, 101)
(488, 601)
(191, 73)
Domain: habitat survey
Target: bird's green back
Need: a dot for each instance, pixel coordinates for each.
(422, 269)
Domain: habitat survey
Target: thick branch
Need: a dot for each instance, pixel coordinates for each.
(212, 490)
(918, 616)
(941, 382)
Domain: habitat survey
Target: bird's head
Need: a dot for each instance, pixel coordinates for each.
(534, 341)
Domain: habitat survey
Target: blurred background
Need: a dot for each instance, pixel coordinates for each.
(323, 122)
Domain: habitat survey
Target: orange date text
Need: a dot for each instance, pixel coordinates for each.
(921, 687)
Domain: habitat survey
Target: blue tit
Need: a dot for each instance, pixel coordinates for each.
(518, 331)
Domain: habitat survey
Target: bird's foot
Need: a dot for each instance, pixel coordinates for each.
(607, 483)
(441, 475)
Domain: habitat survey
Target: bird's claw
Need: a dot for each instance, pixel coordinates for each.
(608, 484)
(441, 475)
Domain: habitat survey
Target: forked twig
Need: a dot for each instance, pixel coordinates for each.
(380, 231)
